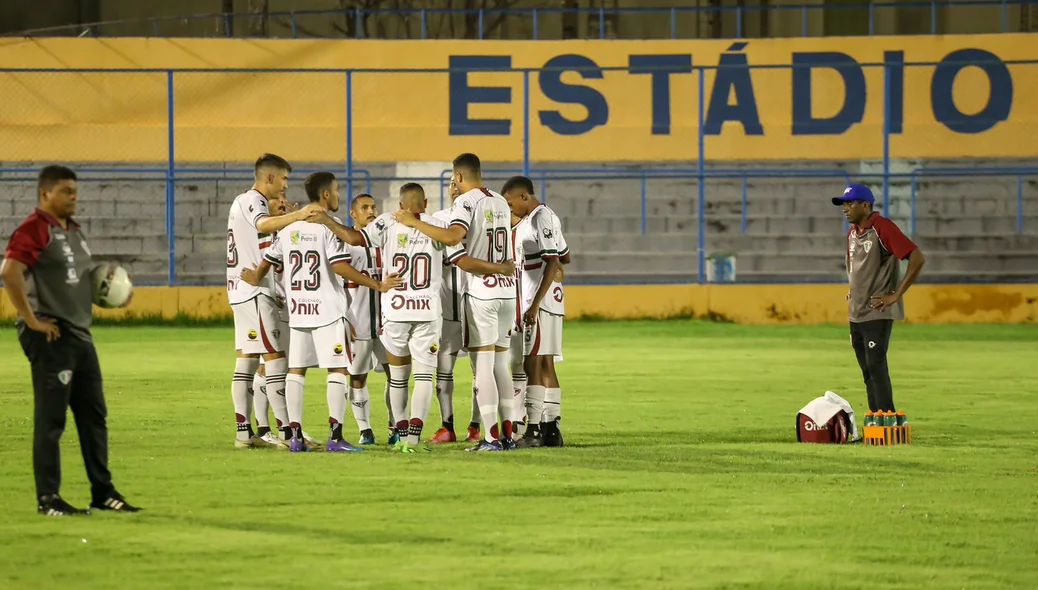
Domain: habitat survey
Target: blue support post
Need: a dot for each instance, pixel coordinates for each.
(673, 23)
(701, 176)
(422, 17)
(1005, 17)
(536, 36)
(933, 17)
(480, 18)
(803, 21)
(349, 143)
(358, 14)
(886, 143)
(643, 199)
(872, 19)
(170, 186)
(601, 22)
(738, 22)
(292, 21)
(526, 123)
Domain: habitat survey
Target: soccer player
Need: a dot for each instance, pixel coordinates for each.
(364, 306)
(261, 403)
(542, 308)
(875, 245)
(318, 333)
(452, 292)
(481, 218)
(47, 274)
(249, 227)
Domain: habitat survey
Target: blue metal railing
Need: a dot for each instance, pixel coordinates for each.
(1019, 172)
(293, 18)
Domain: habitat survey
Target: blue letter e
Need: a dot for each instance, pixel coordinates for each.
(462, 95)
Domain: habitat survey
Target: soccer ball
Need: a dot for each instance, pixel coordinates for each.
(111, 285)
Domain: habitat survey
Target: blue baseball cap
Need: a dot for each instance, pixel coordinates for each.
(855, 192)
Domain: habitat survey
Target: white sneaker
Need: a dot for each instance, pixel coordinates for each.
(252, 443)
(271, 439)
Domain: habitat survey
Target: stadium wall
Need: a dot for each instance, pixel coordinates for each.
(973, 103)
(743, 304)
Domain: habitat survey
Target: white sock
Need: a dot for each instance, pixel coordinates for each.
(244, 369)
(486, 392)
(294, 398)
(398, 377)
(519, 394)
(552, 403)
(277, 369)
(445, 388)
(336, 394)
(422, 400)
(360, 399)
(260, 403)
(476, 418)
(534, 404)
(506, 402)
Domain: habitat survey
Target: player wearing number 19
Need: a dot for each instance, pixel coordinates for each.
(318, 335)
(482, 218)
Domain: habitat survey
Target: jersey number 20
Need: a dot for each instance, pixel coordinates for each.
(414, 270)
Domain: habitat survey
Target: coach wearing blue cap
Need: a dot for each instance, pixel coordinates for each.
(874, 247)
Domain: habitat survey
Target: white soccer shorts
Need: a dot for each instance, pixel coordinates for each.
(257, 326)
(452, 337)
(327, 347)
(516, 349)
(367, 354)
(545, 337)
(488, 322)
(419, 340)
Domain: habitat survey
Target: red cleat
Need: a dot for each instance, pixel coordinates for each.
(473, 435)
(443, 436)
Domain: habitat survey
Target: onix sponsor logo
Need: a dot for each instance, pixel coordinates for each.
(810, 425)
(400, 302)
(305, 307)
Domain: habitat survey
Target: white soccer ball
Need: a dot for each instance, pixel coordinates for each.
(111, 285)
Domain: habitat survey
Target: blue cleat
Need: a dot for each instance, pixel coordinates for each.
(367, 437)
(485, 446)
(341, 446)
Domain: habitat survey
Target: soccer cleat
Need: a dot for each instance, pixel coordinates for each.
(531, 439)
(473, 435)
(507, 444)
(552, 434)
(296, 445)
(407, 448)
(271, 439)
(341, 446)
(486, 446)
(367, 437)
(443, 436)
(394, 438)
(53, 505)
(114, 503)
(312, 444)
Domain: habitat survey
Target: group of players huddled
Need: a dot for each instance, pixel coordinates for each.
(405, 292)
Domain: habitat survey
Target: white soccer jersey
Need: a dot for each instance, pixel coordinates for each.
(364, 301)
(417, 259)
(488, 224)
(519, 237)
(279, 287)
(541, 241)
(245, 246)
(452, 289)
(307, 251)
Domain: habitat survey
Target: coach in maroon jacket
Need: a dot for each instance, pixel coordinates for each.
(46, 272)
(875, 245)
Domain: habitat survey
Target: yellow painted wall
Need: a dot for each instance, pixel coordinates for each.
(223, 117)
(744, 304)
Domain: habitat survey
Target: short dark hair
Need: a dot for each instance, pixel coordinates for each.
(272, 161)
(359, 197)
(412, 186)
(520, 182)
(468, 162)
(51, 175)
(316, 183)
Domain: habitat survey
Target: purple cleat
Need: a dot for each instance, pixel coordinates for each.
(296, 445)
(341, 446)
(485, 446)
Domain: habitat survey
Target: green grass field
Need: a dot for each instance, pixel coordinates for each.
(681, 470)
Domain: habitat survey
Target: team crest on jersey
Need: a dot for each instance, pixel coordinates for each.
(338, 349)
(65, 377)
(401, 240)
(294, 237)
(380, 224)
(867, 245)
(547, 233)
(252, 334)
(434, 348)
(489, 215)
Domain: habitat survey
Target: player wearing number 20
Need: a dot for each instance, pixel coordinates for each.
(311, 256)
